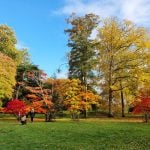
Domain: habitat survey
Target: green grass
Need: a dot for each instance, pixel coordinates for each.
(90, 134)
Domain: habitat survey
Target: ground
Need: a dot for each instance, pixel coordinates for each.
(86, 134)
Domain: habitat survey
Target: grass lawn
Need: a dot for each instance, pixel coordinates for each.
(90, 134)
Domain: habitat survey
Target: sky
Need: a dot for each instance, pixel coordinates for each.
(39, 24)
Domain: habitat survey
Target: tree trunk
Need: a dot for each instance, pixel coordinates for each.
(110, 114)
(122, 104)
(49, 117)
(17, 92)
(146, 117)
(122, 100)
(85, 113)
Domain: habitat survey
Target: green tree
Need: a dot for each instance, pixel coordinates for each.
(82, 54)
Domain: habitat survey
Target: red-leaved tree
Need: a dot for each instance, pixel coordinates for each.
(143, 107)
(16, 107)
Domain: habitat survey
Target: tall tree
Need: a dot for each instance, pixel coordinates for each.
(120, 46)
(7, 76)
(10, 57)
(82, 54)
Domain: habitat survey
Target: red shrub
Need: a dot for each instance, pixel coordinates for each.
(15, 107)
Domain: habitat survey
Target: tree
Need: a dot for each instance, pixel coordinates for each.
(8, 44)
(81, 102)
(58, 87)
(143, 107)
(71, 95)
(10, 57)
(35, 78)
(16, 107)
(82, 54)
(120, 46)
(38, 95)
(22, 69)
(7, 76)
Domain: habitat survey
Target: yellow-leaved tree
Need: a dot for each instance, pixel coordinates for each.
(10, 58)
(121, 53)
(7, 76)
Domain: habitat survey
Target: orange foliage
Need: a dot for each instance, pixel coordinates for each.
(74, 96)
(42, 106)
(33, 97)
(82, 101)
(38, 107)
(1, 110)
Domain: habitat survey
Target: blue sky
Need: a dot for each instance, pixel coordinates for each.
(39, 24)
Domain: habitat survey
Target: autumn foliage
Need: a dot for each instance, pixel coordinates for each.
(143, 106)
(82, 101)
(7, 76)
(15, 107)
(42, 106)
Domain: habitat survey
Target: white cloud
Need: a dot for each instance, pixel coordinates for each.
(102, 8)
(137, 11)
(21, 45)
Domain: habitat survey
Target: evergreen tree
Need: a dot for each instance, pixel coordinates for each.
(82, 54)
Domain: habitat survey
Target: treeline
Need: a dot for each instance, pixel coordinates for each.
(111, 56)
(109, 63)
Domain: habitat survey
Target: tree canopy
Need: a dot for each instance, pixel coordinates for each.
(7, 76)
(107, 70)
(82, 54)
(8, 43)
